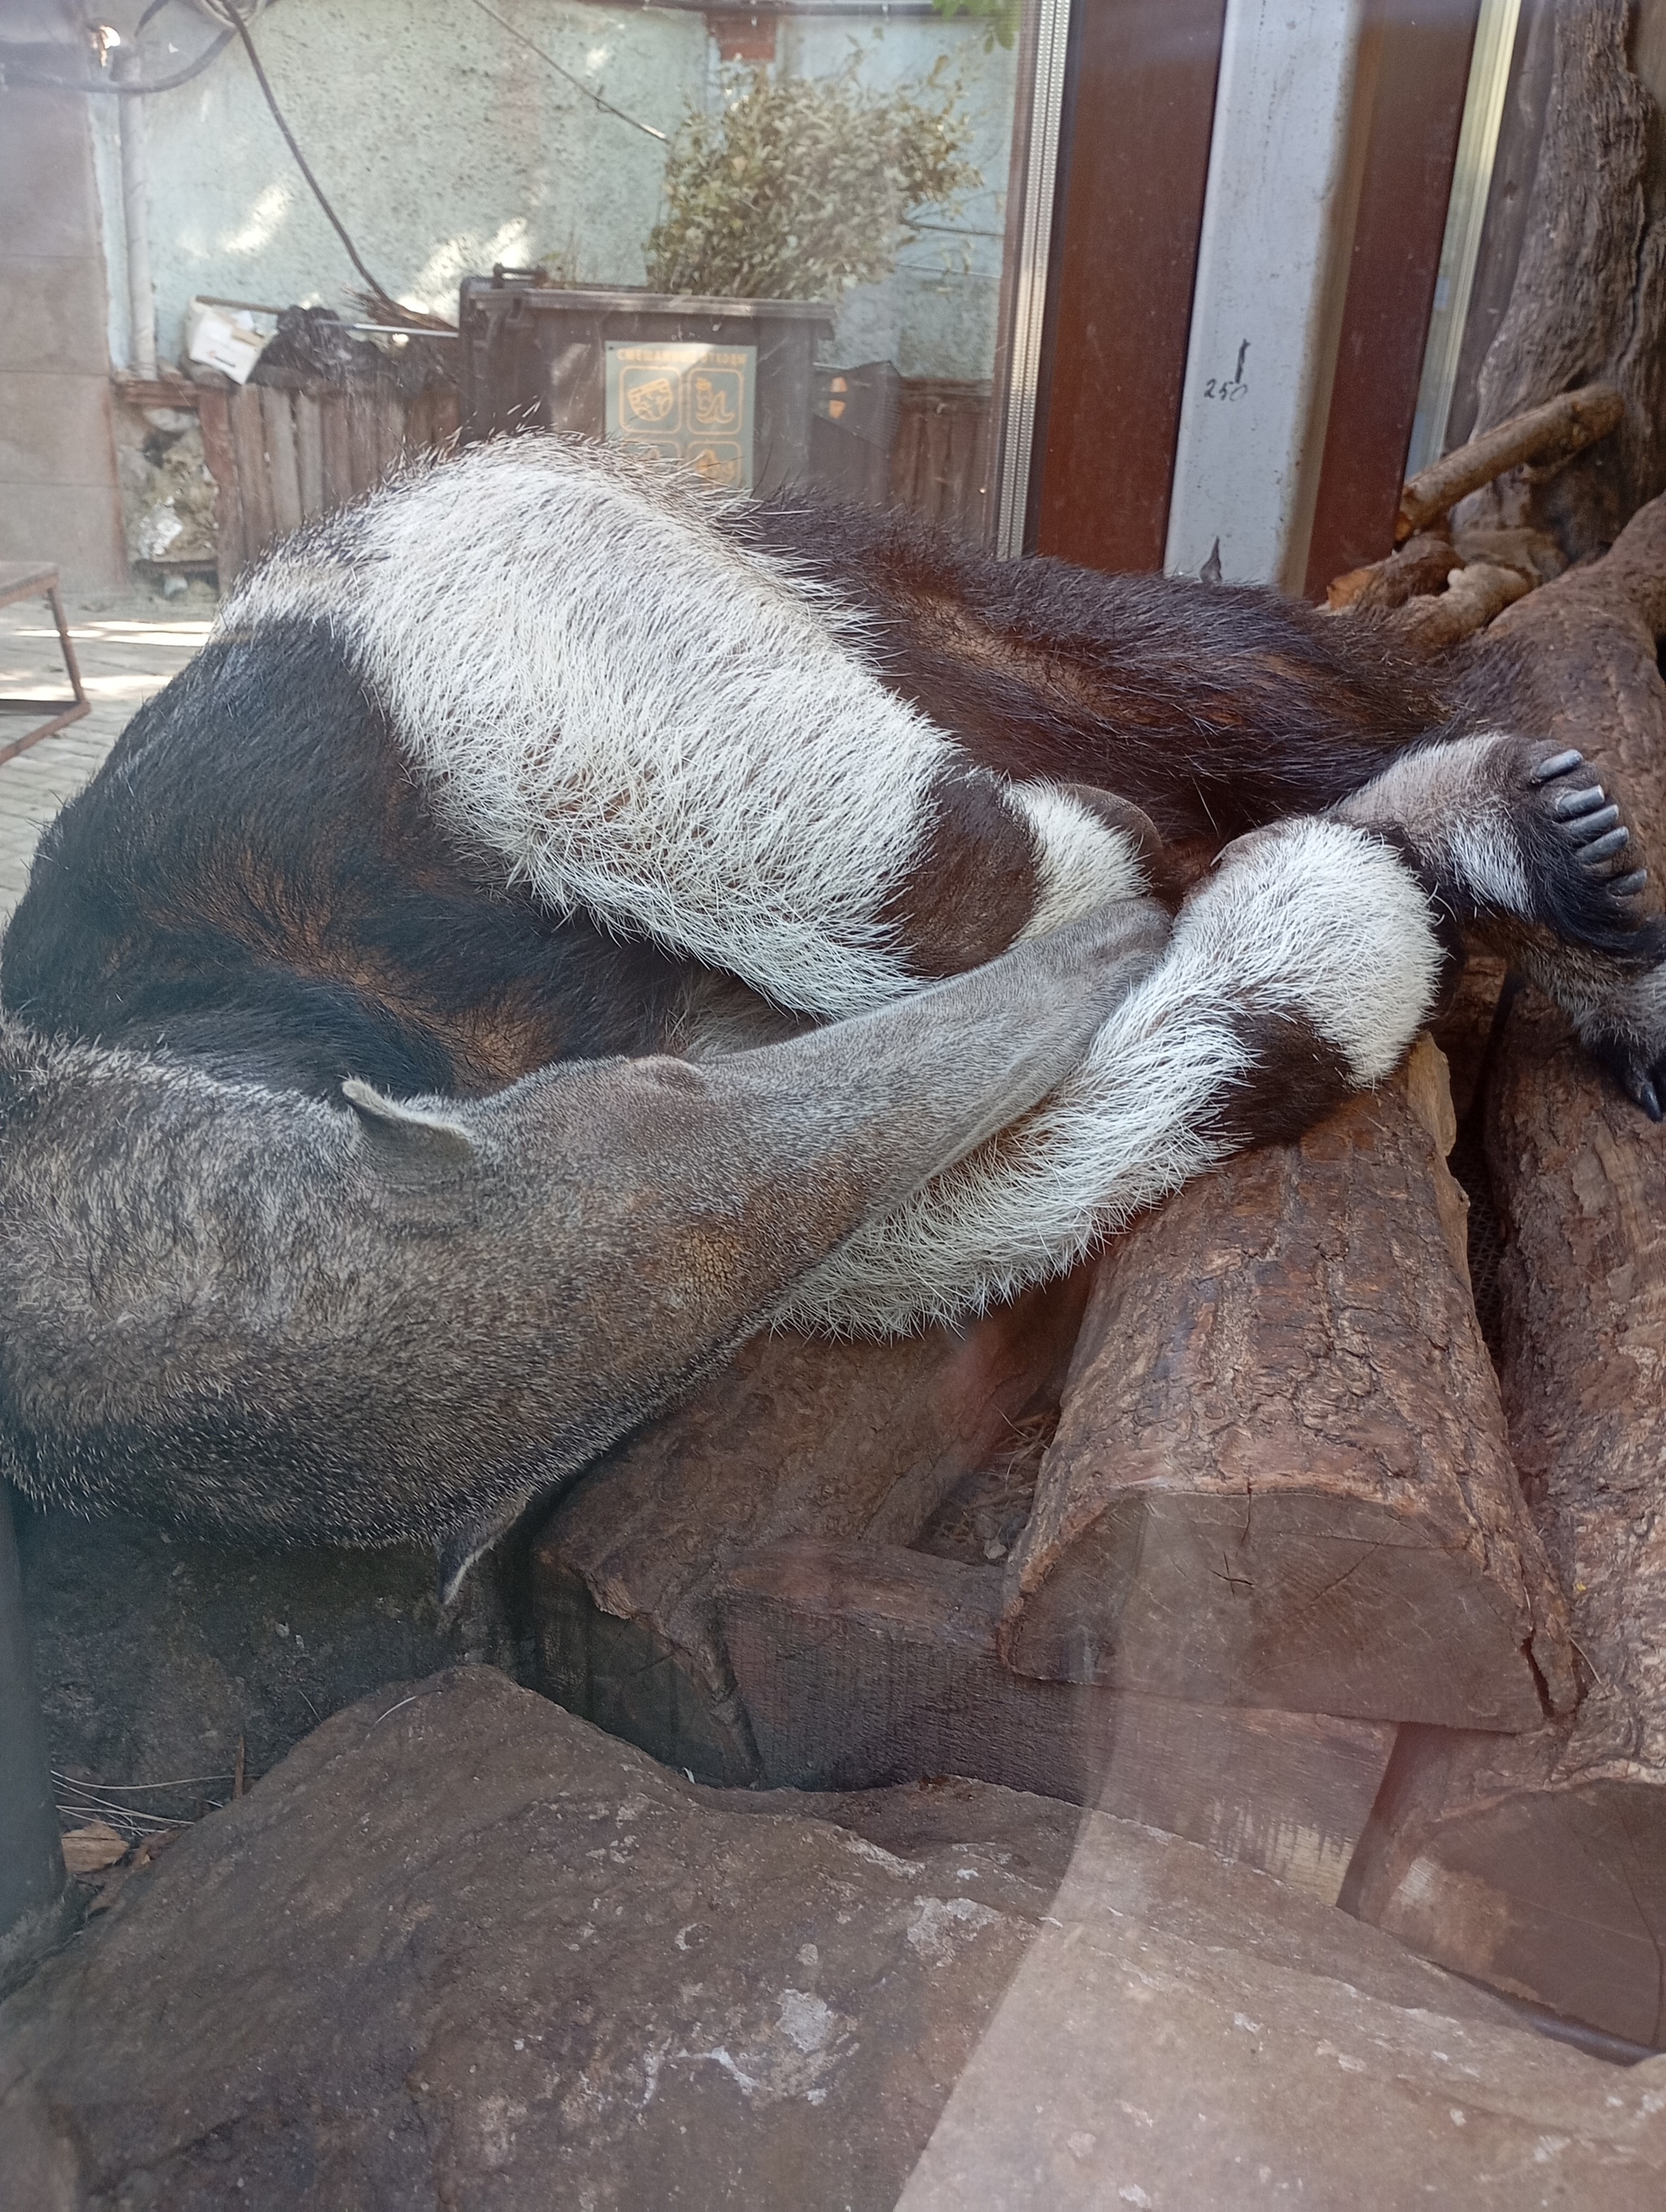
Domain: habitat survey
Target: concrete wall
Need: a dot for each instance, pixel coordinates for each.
(57, 463)
(446, 146)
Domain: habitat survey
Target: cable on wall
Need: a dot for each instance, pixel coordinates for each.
(241, 29)
(577, 82)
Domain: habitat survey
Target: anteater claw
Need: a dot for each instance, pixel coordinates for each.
(1629, 887)
(1588, 826)
(1572, 803)
(1649, 1099)
(1558, 765)
(1604, 848)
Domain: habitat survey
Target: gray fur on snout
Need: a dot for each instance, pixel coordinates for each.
(246, 1312)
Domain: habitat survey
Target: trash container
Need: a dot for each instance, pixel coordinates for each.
(726, 386)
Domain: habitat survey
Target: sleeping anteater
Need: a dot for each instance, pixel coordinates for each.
(505, 968)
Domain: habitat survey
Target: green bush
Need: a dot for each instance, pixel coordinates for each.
(797, 187)
(999, 18)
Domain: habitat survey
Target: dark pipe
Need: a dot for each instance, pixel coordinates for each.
(35, 1907)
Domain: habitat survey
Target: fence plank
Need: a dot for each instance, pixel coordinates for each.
(220, 453)
(249, 441)
(279, 425)
(309, 453)
(338, 451)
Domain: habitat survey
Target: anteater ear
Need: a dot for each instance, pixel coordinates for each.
(417, 1132)
(467, 1542)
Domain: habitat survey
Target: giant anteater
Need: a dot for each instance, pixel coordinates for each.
(507, 967)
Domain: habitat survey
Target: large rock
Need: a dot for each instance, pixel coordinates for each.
(462, 1950)
(1184, 2039)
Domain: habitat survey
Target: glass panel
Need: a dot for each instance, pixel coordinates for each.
(811, 289)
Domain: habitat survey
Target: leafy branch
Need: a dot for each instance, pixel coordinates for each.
(797, 188)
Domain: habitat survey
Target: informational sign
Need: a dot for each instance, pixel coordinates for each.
(688, 403)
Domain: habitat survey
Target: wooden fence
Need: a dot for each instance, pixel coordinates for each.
(283, 452)
(940, 461)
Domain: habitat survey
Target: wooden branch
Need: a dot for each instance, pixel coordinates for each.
(1473, 599)
(1281, 1474)
(1547, 436)
(860, 1664)
(1541, 1863)
(1422, 564)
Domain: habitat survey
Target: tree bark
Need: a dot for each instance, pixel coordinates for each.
(1541, 1864)
(1280, 1476)
(1588, 303)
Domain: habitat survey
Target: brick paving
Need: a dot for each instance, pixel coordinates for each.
(128, 647)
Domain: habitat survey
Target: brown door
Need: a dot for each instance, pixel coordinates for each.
(1134, 157)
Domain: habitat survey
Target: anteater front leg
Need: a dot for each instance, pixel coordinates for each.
(1299, 970)
(1524, 847)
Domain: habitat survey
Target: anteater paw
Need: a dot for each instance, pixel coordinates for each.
(1586, 880)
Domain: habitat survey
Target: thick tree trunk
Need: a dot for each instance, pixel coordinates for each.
(1280, 1476)
(1541, 1864)
(1588, 302)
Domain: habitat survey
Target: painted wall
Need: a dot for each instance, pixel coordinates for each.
(57, 460)
(445, 146)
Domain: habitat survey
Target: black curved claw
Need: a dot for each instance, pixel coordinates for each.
(1589, 826)
(1572, 803)
(1604, 848)
(1629, 887)
(1649, 1099)
(1558, 765)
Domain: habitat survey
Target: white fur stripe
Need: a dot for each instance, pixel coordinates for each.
(1319, 920)
(1084, 862)
(1122, 1132)
(638, 715)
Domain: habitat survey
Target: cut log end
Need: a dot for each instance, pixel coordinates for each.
(1553, 1889)
(1280, 1475)
(1302, 1599)
(860, 1664)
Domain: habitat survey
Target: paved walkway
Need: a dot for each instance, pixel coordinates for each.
(128, 648)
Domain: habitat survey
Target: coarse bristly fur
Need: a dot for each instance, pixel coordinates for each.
(342, 1193)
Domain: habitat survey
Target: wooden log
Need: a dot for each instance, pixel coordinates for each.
(1422, 564)
(860, 1665)
(1473, 599)
(1463, 1029)
(1280, 1476)
(1541, 1864)
(1537, 555)
(1548, 435)
(797, 1437)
